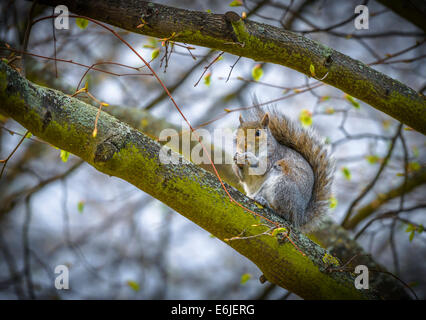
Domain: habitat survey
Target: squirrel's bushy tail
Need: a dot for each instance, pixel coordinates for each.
(307, 143)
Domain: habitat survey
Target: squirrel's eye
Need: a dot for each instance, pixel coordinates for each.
(257, 133)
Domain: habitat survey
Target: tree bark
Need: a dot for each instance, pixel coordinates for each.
(261, 42)
(121, 151)
(413, 10)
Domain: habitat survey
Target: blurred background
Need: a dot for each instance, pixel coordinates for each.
(118, 242)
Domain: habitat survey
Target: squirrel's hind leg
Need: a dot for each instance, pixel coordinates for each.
(285, 237)
(261, 200)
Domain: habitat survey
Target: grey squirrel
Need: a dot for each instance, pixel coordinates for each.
(298, 172)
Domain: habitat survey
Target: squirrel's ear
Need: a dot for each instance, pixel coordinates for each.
(265, 120)
(241, 119)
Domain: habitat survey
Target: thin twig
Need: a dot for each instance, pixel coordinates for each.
(208, 66)
(4, 161)
(376, 178)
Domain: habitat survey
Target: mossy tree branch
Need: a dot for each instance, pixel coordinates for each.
(261, 42)
(121, 151)
(152, 126)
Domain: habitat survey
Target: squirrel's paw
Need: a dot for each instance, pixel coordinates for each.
(239, 159)
(245, 158)
(251, 159)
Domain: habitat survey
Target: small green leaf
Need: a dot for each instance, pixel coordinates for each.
(64, 155)
(29, 135)
(312, 69)
(208, 10)
(413, 166)
(333, 202)
(410, 228)
(80, 206)
(245, 277)
(134, 285)
(305, 118)
(278, 230)
(81, 23)
(257, 72)
(372, 159)
(155, 53)
(152, 43)
(207, 79)
(352, 101)
(236, 3)
(346, 173)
